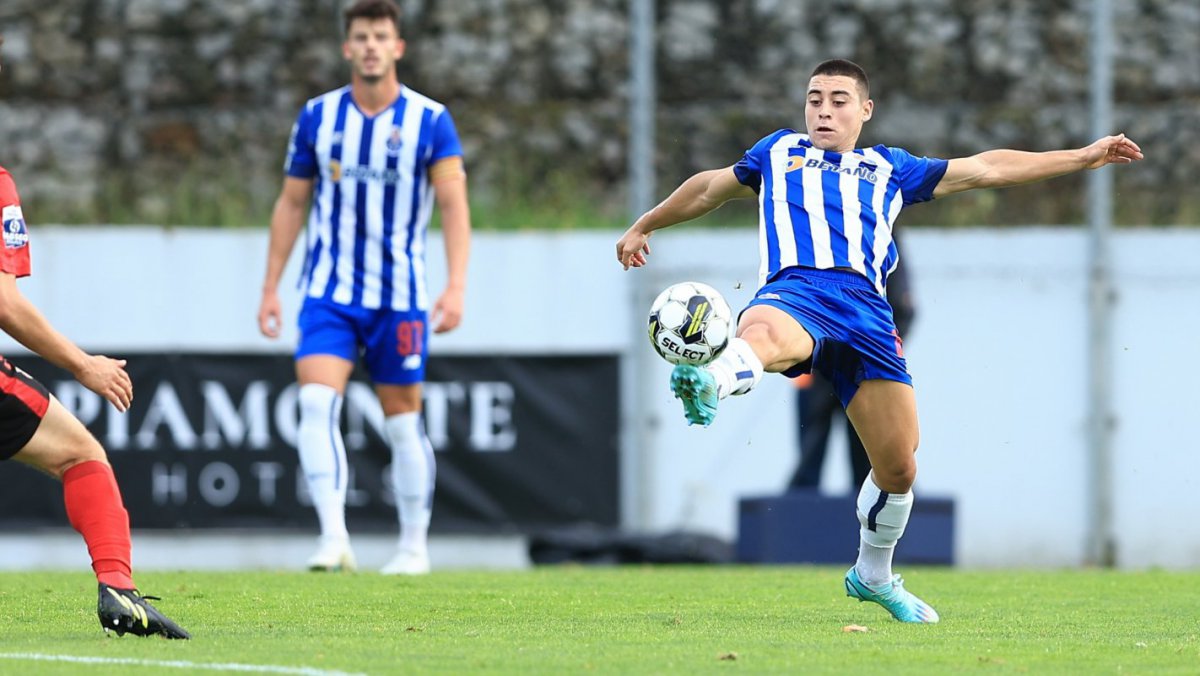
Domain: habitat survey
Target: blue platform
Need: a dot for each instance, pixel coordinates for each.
(807, 527)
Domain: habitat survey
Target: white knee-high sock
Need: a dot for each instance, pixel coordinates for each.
(414, 471)
(737, 370)
(883, 517)
(323, 456)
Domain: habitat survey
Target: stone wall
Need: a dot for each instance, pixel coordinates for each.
(177, 111)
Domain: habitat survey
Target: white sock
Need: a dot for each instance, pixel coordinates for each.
(883, 518)
(737, 370)
(414, 470)
(323, 456)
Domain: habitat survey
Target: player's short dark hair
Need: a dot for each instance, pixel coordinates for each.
(372, 10)
(846, 69)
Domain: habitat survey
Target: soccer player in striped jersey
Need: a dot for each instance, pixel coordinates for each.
(37, 430)
(372, 158)
(826, 211)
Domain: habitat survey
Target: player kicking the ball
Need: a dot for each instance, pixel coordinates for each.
(35, 429)
(826, 210)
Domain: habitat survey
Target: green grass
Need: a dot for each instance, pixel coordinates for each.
(624, 620)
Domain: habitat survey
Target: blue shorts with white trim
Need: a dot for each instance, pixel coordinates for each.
(850, 323)
(392, 343)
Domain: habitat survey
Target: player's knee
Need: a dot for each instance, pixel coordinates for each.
(317, 402)
(896, 476)
(755, 332)
(85, 450)
(763, 340)
(399, 399)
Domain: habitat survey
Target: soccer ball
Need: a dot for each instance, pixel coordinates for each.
(689, 323)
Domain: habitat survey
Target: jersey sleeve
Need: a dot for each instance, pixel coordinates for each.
(445, 138)
(918, 176)
(14, 257)
(301, 159)
(748, 170)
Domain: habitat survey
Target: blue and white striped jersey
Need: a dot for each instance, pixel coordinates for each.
(828, 210)
(372, 198)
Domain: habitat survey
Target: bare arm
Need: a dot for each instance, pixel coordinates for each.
(695, 197)
(1003, 168)
(450, 189)
(287, 218)
(20, 319)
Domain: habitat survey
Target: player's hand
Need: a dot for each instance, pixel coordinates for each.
(633, 247)
(107, 378)
(448, 310)
(1111, 150)
(270, 314)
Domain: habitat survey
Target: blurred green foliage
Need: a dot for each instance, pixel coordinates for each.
(560, 200)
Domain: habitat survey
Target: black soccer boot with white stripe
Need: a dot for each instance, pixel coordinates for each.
(126, 610)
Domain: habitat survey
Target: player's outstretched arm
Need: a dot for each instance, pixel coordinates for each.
(20, 319)
(450, 190)
(695, 197)
(286, 220)
(1003, 168)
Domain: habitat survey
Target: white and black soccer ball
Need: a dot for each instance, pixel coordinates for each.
(689, 323)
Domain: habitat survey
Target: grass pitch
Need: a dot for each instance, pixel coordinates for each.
(626, 620)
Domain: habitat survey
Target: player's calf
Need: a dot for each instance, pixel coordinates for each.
(737, 370)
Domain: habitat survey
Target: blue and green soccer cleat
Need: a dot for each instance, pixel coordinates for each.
(894, 597)
(697, 389)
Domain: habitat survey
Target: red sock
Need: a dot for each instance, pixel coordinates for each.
(95, 509)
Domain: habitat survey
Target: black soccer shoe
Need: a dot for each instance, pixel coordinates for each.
(125, 610)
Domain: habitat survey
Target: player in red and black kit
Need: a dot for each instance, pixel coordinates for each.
(37, 430)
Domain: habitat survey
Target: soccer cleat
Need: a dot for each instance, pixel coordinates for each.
(333, 554)
(407, 562)
(697, 389)
(894, 597)
(126, 610)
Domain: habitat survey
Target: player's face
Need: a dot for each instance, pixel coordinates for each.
(835, 111)
(373, 46)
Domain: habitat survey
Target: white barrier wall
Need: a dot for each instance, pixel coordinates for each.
(998, 354)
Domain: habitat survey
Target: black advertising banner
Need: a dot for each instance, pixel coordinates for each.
(522, 443)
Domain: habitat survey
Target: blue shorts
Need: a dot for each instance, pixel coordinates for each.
(850, 323)
(393, 344)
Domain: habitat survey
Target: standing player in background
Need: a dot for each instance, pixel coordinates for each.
(36, 430)
(372, 158)
(826, 211)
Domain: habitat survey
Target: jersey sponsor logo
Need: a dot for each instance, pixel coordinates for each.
(364, 173)
(394, 142)
(863, 170)
(15, 234)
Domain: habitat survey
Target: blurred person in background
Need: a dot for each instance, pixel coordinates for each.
(35, 429)
(365, 165)
(818, 407)
(826, 211)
